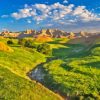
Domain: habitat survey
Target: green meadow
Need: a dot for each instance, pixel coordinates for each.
(75, 72)
(72, 71)
(14, 82)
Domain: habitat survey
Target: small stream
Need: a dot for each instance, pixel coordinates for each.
(37, 74)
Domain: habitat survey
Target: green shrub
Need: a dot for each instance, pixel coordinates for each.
(30, 44)
(27, 43)
(45, 49)
(96, 51)
(10, 42)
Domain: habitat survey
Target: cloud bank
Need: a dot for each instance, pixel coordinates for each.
(56, 13)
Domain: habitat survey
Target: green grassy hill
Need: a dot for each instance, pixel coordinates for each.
(14, 87)
(75, 71)
(14, 82)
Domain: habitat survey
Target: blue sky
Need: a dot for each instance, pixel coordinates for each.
(68, 15)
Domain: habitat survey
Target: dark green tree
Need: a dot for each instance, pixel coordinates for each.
(44, 49)
(10, 42)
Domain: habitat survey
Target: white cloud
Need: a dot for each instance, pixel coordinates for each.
(84, 14)
(4, 16)
(55, 12)
(43, 11)
(4, 29)
(29, 21)
(65, 1)
(24, 13)
(40, 6)
(49, 25)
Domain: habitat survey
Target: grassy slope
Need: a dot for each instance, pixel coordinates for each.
(13, 87)
(20, 61)
(74, 73)
(14, 83)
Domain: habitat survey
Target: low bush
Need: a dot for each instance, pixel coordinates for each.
(96, 51)
(45, 49)
(10, 42)
(27, 43)
(30, 44)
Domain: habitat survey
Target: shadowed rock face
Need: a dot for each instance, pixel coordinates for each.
(28, 33)
(23, 35)
(56, 33)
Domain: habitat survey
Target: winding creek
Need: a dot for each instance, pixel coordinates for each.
(38, 73)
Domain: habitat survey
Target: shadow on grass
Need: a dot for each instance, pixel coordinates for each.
(93, 64)
(96, 45)
(68, 51)
(78, 71)
(55, 42)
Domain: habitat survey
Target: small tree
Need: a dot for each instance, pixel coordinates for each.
(27, 43)
(45, 49)
(10, 42)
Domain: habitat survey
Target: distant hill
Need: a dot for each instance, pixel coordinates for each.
(53, 33)
(87, 41)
